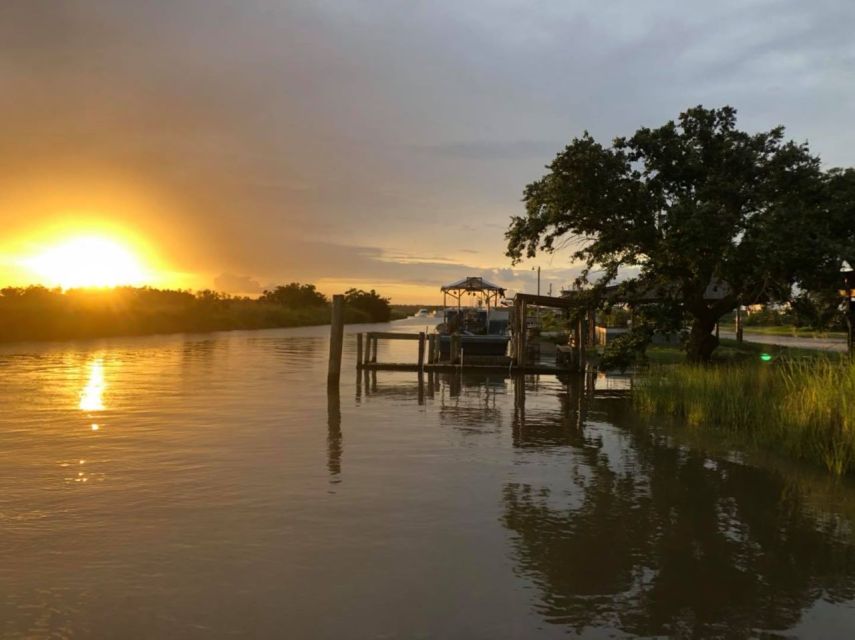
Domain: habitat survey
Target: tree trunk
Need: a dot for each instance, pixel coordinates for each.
(702, 341)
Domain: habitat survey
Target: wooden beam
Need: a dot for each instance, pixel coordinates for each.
(547, 301)
(739, 331)
(389, 335)
(336, 340)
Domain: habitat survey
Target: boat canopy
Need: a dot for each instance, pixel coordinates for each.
(472, 285)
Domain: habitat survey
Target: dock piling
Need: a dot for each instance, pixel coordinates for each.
(421, 351)
(454, 351)
(358, 350)
(336, 340)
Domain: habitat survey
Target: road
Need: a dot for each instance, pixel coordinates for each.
(821, 344)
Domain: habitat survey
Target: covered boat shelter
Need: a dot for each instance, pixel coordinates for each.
(492, 293)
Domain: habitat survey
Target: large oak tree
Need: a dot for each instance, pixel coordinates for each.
(691, 204)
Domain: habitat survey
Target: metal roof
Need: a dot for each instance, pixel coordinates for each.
(473, 283)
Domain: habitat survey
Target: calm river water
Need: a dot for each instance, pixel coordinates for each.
(206, 486)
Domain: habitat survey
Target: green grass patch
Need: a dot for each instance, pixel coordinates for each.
(795, 332)
(729, 351)
(804, 408)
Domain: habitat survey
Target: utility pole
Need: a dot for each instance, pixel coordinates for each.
(848, 292)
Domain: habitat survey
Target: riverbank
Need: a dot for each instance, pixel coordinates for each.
(37, 314)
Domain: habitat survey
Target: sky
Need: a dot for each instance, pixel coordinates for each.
(385, 145)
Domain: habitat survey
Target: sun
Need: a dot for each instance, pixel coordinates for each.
(87, 261)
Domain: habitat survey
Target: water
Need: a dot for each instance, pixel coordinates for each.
(206, 486)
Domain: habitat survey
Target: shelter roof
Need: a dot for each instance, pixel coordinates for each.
(473, 283)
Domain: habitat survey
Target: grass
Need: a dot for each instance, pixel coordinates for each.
(804, 408)
(796, 332)
(729, 351)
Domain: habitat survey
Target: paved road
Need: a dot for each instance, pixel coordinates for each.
(822, 344)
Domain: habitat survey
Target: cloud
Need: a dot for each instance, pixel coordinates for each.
(303, 140)
(495, 149)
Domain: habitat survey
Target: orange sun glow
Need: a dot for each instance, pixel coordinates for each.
(88, 261)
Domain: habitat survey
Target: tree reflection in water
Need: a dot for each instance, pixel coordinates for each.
(668, 542)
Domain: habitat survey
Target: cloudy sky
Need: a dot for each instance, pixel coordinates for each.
(369, 143)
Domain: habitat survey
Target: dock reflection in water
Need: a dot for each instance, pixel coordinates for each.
(231, 495)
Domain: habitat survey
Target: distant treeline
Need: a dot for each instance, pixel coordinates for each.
(39, 313)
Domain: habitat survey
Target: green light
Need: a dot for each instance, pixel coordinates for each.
(765, 357)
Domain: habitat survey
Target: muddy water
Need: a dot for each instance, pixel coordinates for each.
(206, 486)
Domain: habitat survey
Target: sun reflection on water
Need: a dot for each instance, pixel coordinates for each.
(92, 396)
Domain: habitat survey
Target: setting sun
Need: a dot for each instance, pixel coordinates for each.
(87, 261)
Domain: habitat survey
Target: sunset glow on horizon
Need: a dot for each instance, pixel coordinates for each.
(88, 261)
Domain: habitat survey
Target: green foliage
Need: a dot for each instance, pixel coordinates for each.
(690, 204)
(626, 350)
(614, 317)
(375, 307)
(295, 295)
(766, 317)
(804, 408)
(818, 310)
(38, 313)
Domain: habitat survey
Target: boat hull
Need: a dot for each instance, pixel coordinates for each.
(475, 345)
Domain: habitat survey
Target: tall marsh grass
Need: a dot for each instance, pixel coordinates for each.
(805, 409)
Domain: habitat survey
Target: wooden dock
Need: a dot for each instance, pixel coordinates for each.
(429, 357)
(573, 357)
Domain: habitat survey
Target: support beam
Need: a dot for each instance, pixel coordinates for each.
(739, 324)
(454, 352)
(421, 351)
(336, 340)
(358, 350)
(850, 324)
(390, 335)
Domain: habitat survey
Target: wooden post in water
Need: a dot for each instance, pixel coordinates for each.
(358, 350)
(421, 351)
(454, 351)
(374, 349)
(577, 339)
(431, 348)
(336, 340)
(521, 345)
(583, 344)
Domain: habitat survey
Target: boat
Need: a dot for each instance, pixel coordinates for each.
(422, 313)
(481, 327)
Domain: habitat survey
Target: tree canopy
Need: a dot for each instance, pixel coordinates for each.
(693, 203)
(295, 295)
(371, 303)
